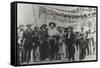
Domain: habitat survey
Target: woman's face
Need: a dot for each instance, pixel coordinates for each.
(37, 28)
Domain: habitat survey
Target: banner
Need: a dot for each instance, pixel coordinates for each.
(68, 16)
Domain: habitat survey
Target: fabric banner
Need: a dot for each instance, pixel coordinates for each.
(49, 13)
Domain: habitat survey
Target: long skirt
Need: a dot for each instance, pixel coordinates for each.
(62, 50)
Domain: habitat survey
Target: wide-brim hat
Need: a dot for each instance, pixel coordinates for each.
(52, 23)
(29, 25)
(20, 26)
(44, 25)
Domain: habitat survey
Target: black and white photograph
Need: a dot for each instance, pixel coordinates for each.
(54, 33)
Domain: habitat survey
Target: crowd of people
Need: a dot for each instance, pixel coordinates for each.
(51, 42)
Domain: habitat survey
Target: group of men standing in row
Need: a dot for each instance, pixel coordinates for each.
(53, 43)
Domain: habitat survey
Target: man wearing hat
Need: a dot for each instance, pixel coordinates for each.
(28, 42)
(36, 43)
(52, 32)
(43, 42)
(82, 31)
(82, 46)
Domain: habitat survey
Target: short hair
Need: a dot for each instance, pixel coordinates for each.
(65, 29)
(82, 27)
(71, 28)
(52, 23)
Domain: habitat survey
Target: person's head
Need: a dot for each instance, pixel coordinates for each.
(77, 33)
(21, 29)
(65, 30)
(28, 26)
(93, 32)
(82, 36)
(21, 26)
(69, 29)
(82, 29)
(60, 28)
(87, 32)
(44, 26)
(52, 25)
(36, 28)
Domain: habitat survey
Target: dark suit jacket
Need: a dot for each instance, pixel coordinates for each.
(27, 35)
(70, 40)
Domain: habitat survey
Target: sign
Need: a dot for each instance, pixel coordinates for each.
(49, 13)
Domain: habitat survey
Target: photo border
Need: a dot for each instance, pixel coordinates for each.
(14, 57)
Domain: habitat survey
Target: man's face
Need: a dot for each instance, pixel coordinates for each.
(82, 29)
(28, 27)
(89, 31)
(52, 25)
(37, 28)
(21, 29)
(69, 29)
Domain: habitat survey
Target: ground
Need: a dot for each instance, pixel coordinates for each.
(87, 57)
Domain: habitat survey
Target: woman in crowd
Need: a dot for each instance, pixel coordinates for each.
(53, 43)
(44, 47)
(36, 52)
(61, 44)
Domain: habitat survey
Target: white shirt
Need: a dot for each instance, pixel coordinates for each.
(69, 35)
(52, 32)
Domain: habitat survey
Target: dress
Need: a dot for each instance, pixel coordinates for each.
(62, 49)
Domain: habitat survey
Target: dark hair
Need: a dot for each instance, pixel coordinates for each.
(77, 32)
(35, 27)
(71, 28)
(65, 29)
(28, 25)
(44, 25)
(21, 26)
(52, 23)
(82, 27)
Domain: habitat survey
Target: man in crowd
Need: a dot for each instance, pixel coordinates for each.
(82, 31)
(28, 42)
(36, 43)
(82, 45)
(94, 42)
(77, 40)
(44, 47)
(87, 47)
(90, 42)
(52, 31)
(70, 38)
